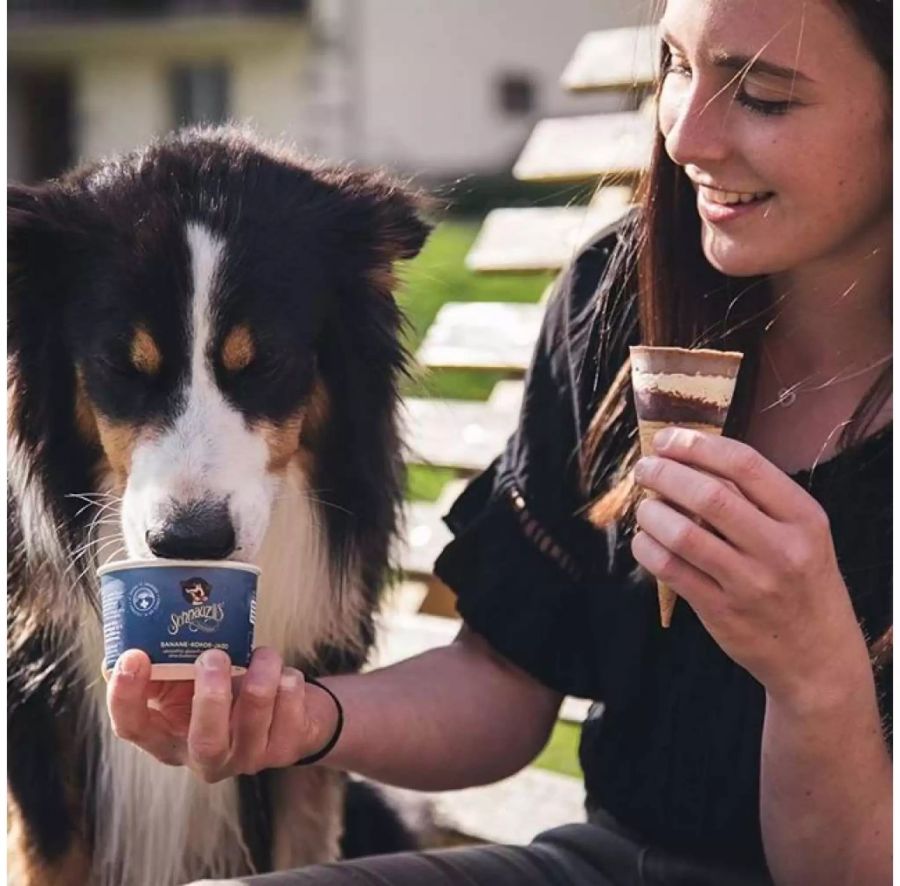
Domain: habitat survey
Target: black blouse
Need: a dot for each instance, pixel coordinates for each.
(673, 751)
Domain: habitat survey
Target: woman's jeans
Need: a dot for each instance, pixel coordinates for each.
(598, 854)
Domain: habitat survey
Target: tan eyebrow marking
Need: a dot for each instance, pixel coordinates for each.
(238, 350)
(145, 353)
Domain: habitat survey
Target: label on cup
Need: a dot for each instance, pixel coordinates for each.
(175, 613)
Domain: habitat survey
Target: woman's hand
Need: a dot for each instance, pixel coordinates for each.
(761, 572)
(267, 720)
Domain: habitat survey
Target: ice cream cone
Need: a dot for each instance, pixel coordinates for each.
(684, 388)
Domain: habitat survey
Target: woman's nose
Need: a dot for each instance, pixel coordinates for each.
(695, 128)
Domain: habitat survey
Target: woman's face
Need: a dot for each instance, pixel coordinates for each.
(810, 150)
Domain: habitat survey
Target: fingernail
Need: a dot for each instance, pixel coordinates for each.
(288, 682)
(639, 469)
(126, 666)
(213, 660)
(663, 437)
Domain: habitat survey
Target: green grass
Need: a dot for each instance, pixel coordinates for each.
(438, 275)
(561, 752)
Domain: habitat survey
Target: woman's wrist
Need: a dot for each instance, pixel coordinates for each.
(326, 718)
(840, 684)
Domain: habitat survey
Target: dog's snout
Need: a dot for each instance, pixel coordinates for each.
(194, 532)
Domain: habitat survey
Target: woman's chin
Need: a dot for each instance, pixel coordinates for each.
(737, 259)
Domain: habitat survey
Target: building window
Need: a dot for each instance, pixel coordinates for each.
(40, 119)
(516, 94)
(200, 94)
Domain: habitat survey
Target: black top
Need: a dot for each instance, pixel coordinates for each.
(675, 753)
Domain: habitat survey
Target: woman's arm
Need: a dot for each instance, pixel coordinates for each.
(825, 790)
(452, 717)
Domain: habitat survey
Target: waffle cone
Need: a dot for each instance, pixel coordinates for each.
(716, 368)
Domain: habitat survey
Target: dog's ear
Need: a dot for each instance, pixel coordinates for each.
(36, 215)
(400, 220)
(46, 228)
(382, 215)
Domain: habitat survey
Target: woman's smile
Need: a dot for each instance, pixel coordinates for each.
(717, 207)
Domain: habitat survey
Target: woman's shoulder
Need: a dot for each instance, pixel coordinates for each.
(612, 249)
(591, 317)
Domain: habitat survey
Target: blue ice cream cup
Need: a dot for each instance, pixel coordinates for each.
(174, 610)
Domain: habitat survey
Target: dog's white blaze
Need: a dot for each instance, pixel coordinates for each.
(209, 454)
(160, 825)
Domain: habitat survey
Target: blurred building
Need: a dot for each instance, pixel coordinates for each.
(439, 87)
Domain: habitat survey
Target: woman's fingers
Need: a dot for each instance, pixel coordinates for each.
(127, 697)
(209, 741)
(713, 499)
(287, 734)
(253, 710)
(264, 727)
(700, 591)
(765, 485)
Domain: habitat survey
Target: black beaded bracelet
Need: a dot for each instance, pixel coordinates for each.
(318, 755)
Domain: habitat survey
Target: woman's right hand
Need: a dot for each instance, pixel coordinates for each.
(266, 720)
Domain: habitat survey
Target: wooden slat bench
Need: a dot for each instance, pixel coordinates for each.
(617, 58)
(585, 148)
(482, 335)
(425, 534)
(540, 238)
(460, 434)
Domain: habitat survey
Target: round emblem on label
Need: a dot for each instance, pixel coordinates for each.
(143, 599)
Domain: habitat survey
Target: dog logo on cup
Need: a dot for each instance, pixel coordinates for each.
(196, 590)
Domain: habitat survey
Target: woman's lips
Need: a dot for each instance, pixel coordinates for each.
(717, 213)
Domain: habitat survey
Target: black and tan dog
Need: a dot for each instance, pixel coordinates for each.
(204, 360)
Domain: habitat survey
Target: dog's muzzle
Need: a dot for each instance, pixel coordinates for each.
(195, 531)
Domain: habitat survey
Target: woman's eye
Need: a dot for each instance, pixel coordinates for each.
(759, 106)
(676, 66)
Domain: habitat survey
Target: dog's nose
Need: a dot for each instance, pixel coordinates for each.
(199, 531)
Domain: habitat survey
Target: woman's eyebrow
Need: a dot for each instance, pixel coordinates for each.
(735, 62)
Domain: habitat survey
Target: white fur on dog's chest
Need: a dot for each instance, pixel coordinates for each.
(160, 825)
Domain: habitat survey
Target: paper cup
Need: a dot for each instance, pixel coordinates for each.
(174, 610)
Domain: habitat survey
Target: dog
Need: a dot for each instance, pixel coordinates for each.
(196, 591)
(204, 358)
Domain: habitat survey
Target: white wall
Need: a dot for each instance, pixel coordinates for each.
(427, 74)
(269, 89)
(121, 103)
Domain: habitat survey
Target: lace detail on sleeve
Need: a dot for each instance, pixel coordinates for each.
(539, 536)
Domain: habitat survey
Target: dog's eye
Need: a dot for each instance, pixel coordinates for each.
(120, 367)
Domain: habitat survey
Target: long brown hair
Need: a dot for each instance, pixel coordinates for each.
(683, 300)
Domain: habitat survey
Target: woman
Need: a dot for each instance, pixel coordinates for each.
(745, 742)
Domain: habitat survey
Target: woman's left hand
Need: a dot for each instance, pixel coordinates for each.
(761, 572)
